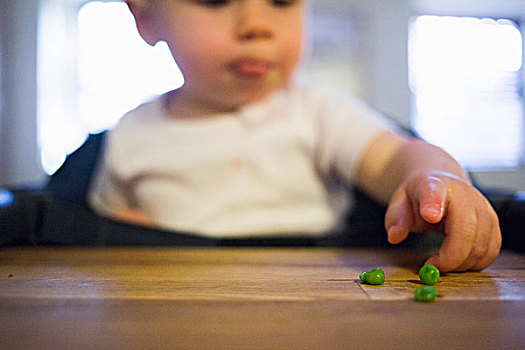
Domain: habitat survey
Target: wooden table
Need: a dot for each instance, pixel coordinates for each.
(262, 298)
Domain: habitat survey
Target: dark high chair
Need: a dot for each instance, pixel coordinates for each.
(57, 214)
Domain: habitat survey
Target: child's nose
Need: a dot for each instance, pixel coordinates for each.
(254, 21)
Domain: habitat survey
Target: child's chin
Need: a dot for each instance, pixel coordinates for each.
(254, 97)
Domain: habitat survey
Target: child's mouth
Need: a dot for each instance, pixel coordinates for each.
(251, 68)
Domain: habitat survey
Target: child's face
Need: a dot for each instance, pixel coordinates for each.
(231, 52)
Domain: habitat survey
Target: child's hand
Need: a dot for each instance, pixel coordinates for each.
(133, 216)
(442, 202)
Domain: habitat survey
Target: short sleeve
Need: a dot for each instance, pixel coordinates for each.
(107, 194)
(344, 127)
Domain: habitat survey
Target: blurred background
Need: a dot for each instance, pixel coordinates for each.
(452, 70)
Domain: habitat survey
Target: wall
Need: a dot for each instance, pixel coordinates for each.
(19, 159)
(371, 54)
(376, 71)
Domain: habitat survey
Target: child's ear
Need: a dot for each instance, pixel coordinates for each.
(142, 11)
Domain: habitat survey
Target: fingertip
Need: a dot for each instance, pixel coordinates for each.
(396, 235)
(439, 264)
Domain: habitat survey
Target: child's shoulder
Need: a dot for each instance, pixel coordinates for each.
(316, 94)
(137, 120)
(319, 91)
(147, 110)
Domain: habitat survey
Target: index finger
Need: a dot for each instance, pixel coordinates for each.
(460, 236)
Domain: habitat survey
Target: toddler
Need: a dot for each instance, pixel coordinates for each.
(245, 149)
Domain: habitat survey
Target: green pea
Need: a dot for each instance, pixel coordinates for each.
(362, 276)
(375, 276)
(429, 274)
(425, 293)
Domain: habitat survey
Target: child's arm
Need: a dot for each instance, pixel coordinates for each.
(110, 196)
(133, 216)
(428, 190)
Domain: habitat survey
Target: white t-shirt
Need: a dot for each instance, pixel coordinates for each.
(277, 167)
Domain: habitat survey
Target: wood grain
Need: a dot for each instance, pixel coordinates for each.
(250, 298)
(240, 274)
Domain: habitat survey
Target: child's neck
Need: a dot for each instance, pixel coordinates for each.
(178, 106)
(182, 104)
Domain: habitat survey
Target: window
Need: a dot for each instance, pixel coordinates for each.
(93, 67)
(466, 76)
(466, 80)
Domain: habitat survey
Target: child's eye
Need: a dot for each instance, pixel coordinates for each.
(213, 3)
(283, 3)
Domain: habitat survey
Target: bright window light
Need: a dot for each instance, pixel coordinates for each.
(466, 79)
(91, 71)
